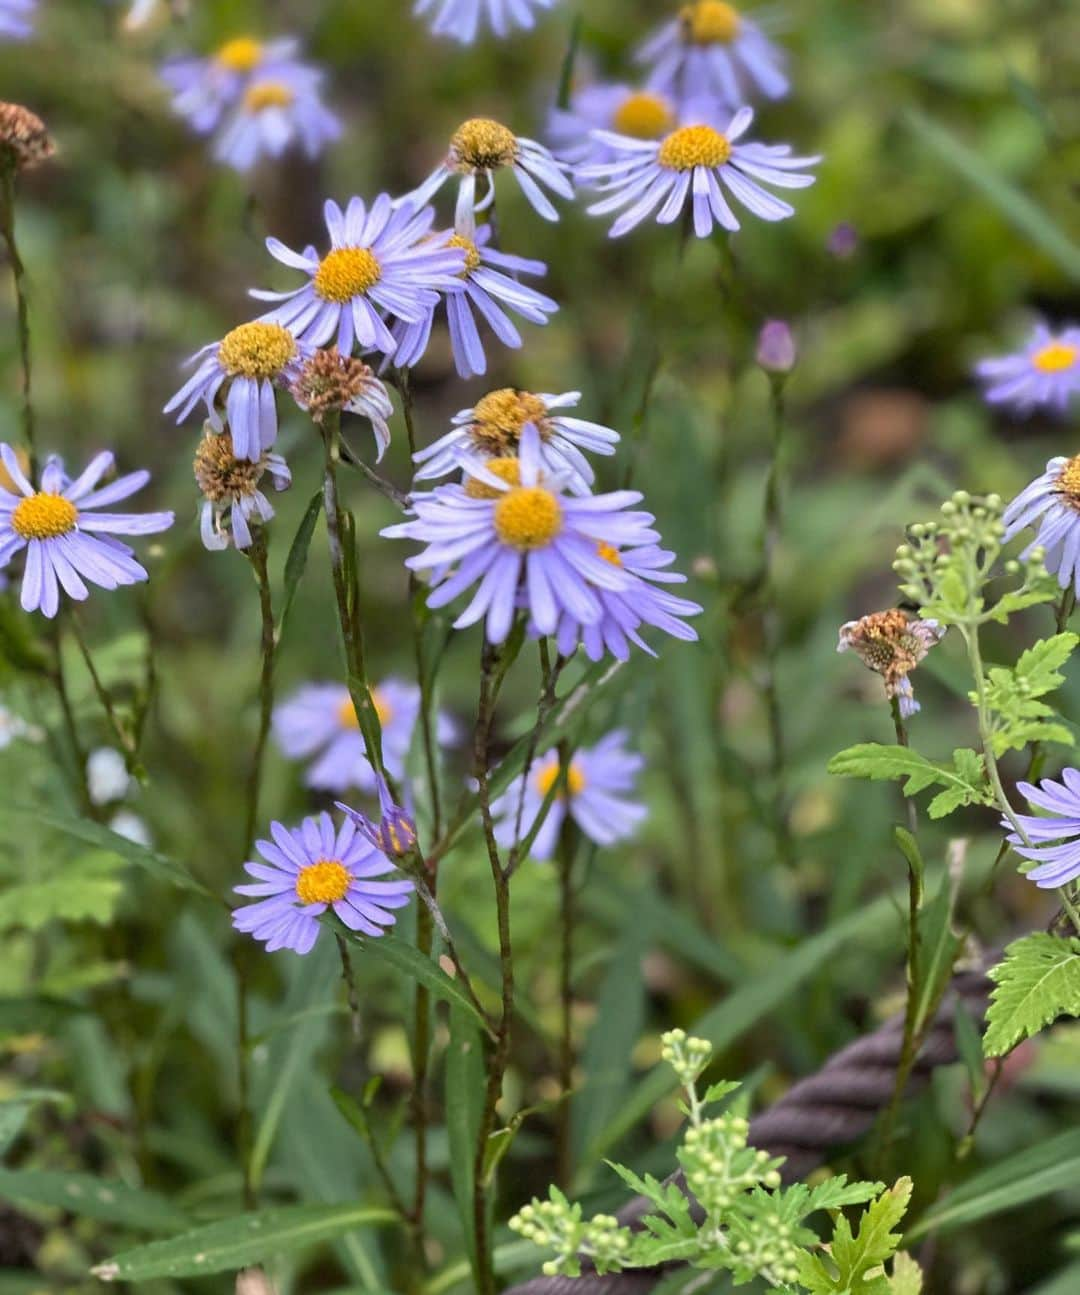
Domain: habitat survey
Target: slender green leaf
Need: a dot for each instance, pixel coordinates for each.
(89, 1196)
(407, 959)
(296, 562)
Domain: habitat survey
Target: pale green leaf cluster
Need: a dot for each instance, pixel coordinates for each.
(962, 781)
(1038, 981)
(1018, 716)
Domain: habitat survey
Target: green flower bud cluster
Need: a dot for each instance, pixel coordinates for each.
(557, 1225)
(719, 1166)
(686, 1055)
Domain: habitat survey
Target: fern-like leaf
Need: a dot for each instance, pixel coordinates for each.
(1038, 981)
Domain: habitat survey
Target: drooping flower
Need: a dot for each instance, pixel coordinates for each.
(278, 110)
(1046, 371)
(67, 540)
(24, 140)
(246, 365)
(485, 288)
(16, 19)
(1052, 503)
(232, 497)
(319, 722)
(493, 427)
(203, 88)
(512, 529)
(480, 147)
(330, 381)
(694, 163)
(891, 644)
(598, 795)
(776, 350)
(711, 50)
(1059, 865)
(381, 260)
(309, 869)
(620, 109)
(394, 833)
(461, 19)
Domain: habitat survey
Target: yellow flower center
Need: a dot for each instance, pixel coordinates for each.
(1055, 357)
(44, 517)
(472, 255)
(528, 517)
(609, 553)
(241, 54)
(267, 94)
(346, 272)
(481, 144)
(547, 777)
(256, 350)
(323, 882)
(508, 470)
(709, 22)
(691, 146)
(500, 417)
(1069, 481)
(347, 713)
(643, 116)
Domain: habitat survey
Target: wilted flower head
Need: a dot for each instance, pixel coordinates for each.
(16, 19)
(1059, 865)
(395, 832)
(1046, 371)
(232, 498)
(776, 351)
(460, 19)
(330, 382)
(891, 644)
(24, 141)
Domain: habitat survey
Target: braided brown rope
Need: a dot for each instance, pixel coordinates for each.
(817, 1115)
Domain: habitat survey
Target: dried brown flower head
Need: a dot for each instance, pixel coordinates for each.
(891, 644)
(331, 381)
(24, 141)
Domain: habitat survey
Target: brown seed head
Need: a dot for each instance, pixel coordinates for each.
(329, 381)
(24, 141)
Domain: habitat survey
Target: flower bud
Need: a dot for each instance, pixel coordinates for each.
(776, 351)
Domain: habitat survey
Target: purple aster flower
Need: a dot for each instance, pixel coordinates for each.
(1052, 501)
(480, 147)
(511, 527)
(1058, 864)
(15, 19)
(247, 363)
(204, 87)
(277, 111)
(600, 782)
(485, 288)
(309, 869)
(620, 109)
(395, 832)
(232, 499)
(1045, 372)
(460, 19)
(711, 51)
(319, 722)
(381, 261)
(688, 166)
(67, 541)
(493, 427)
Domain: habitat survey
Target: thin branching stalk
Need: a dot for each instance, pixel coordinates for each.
(58, 675)
(124, 738)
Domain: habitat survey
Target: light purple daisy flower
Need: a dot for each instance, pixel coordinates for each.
(381, 260)
(485, 287)
(309, 869)
(512, 528)
(690, 165)
(67, 542)
(600, 782)
(319, 723)
(1051, 501)
(1058, 864)
(480, 147)
(16, 18)
(1045, 372)
(395, 832)
(232, 498)
(711, 51)
(247, 363)
(620, 109)
(204, 87)
(492, 428)
(277, 111)
(461, 19)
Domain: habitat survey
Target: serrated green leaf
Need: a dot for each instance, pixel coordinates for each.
(1038, 981)
(963, 781)
(88, 1196)
(88, 891)
(906, 1277)
(851, 1257)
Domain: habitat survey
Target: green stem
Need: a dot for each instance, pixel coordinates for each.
(257, 556)
(58, 676)
(18, 273)
(772, 624)
(566, 852)
(125, 740)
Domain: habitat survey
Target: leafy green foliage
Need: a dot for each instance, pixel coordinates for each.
(86, 889)
(1013, 694)
(855, 1260)
(963, 780)
(1038, 981)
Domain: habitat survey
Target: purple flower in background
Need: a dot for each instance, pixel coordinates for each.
(688, 166)
(600, 782)
(1058, 864)
(711, 51)
(15, 19)
(511, 529)
(484, 288)
(620, 109)
(460, 19)
(381, 261)
(493, 427)
(480, 147)
(318, 722)
(204, 87)
(1045, 372)
(1052, 502)
(276, 111)
(395, 832)
(67, 541)
(843, 242)
(776, 352)
(232, 498)
(247, 363)
(309, 869)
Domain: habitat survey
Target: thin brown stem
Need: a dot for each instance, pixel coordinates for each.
(566, 853)
(124, 738)
(257, 555)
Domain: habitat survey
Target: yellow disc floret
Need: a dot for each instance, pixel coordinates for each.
(709, 22)
(241, 54)
(347, 272)
(508, 470)
(267, 94)
(500, 418)
(528, 517)
(547, 777)
(44, 517)
(481, 144)
(691, 146)
(323, 882)
(643, 116)
(1068, 482)
(256, 350)
(347, 712)
(472, 255)
(1055, 357)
